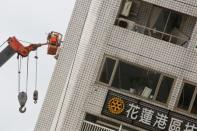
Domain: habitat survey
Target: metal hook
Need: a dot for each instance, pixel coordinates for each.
(22, 109)
(22, 98)
(35, 101)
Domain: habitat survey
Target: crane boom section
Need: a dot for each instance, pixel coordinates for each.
(6, 54)
(18, 47)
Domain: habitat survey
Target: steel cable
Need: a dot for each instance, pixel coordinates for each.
(27, 75)
(19, 72)
(36, 57)
(3, 43)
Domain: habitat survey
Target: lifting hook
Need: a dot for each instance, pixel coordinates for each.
(22, 109)
(22, 98)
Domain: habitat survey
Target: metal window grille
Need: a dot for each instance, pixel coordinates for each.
(88, 126)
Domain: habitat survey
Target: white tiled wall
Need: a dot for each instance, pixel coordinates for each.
(73, 91)
(58, 80)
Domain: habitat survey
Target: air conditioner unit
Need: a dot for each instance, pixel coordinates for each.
(122, 22)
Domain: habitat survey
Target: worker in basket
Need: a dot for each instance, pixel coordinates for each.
(54, 41)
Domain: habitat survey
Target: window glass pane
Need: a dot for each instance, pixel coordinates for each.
(164, 89)
(186, 96)
(107, 70)
(136, 80)
(194, 108)
(162, 19)
(174, 21)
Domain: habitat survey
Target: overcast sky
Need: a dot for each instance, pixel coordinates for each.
(28, 20)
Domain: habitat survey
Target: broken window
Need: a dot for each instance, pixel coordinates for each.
(137, 80)
(107, 70)
(188, 98)
(155, 21)
(168, 25)
(165, 88)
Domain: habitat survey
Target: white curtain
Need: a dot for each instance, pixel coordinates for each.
(126, 8)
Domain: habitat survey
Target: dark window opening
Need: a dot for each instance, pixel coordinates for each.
(186, 96)
(168, 20)
(107, 70)
(164, 89)
(136, 80)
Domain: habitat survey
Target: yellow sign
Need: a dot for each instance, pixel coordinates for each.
(116, 105)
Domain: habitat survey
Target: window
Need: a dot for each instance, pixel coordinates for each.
(164, 90)
(156, 21)
(104, 124)
(107, 70)
(188, 98)
(137, 80)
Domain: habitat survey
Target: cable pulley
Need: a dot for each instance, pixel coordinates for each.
(35, 96)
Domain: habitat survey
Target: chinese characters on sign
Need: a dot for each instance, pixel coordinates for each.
(145, 115)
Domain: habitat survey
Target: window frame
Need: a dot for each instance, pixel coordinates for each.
(108, 122)
(172, 38)
(188, 111)
(117, 61)
(101, 69)
(158, 87)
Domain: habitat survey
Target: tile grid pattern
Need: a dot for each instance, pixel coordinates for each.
(77, 68)
(66, 57)
(171, 53)
(101, 37)
(82, 87)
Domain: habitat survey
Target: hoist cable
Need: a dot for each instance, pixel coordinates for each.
(27, 75)
(3, 43)
(36, 75)
(35, 94)
(19, 72)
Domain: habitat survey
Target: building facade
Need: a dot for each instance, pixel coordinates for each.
(126, 65)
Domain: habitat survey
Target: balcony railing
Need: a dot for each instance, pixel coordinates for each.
(88, 126)
(181, 40)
